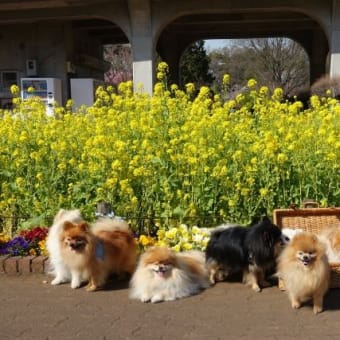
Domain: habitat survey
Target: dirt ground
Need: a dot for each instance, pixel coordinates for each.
(33, 309)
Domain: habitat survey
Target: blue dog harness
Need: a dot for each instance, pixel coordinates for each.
(99, 251)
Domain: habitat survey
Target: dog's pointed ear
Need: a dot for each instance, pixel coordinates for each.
(68, 225)
(84, 226)
(266, 219)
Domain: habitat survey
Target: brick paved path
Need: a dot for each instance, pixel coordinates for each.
(32, 309)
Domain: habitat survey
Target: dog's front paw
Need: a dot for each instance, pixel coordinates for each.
(170, 298)
(221, 276)
(296, 304)
(157, 298)
(57, 281)
(145, 298)
(212, 277)
(317, 309)
(91, 288)
(256, 288)
(75, 284)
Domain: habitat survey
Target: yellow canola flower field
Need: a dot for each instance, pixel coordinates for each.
(171, 158)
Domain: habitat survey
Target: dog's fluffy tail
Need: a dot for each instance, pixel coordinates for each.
(110, 224)
(67, 215)
(193, 262)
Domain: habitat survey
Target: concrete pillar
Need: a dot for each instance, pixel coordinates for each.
(318, 55)
(170, 55)
(334, 70)
(143, 66)
(142, 43)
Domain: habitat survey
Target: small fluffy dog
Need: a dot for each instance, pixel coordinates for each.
(304, 269)
(248, 250)
(57, 266)
(94, 253)
(330, 236)
(164, 275)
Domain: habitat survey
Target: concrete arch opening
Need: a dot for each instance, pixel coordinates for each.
(273, 62)
(186, 29)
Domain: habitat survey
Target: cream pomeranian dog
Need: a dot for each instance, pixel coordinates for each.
(57, 266)
(108, 247)
(164, 275)
(305, 271)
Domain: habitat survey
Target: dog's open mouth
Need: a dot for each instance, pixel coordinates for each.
(306, 257)
(306, 260)
(160, 271)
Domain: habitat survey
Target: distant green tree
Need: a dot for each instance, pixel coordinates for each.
(194, 66)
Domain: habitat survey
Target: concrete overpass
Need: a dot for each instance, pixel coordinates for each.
(165, 27)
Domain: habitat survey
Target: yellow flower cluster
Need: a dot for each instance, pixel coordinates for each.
(179, 238)
(42, 247)
(175, 155)
(4, 238)
(146, 241)
(183, 238)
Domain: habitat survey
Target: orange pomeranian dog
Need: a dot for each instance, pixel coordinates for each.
(164, 275)
(92, 254)
(305, 270)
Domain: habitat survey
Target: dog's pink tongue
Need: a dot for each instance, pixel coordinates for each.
(162, 274)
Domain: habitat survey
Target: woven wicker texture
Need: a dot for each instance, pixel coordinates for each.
(310, 219)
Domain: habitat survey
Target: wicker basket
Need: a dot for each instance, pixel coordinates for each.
(312, 220)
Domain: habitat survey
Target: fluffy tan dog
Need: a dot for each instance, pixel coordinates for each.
(94, 253)
(305, 271)
(164, 275)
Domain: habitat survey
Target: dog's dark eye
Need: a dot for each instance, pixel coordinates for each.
(300, 253)
(287, 238)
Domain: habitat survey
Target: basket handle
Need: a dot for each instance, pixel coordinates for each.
(308, 203)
